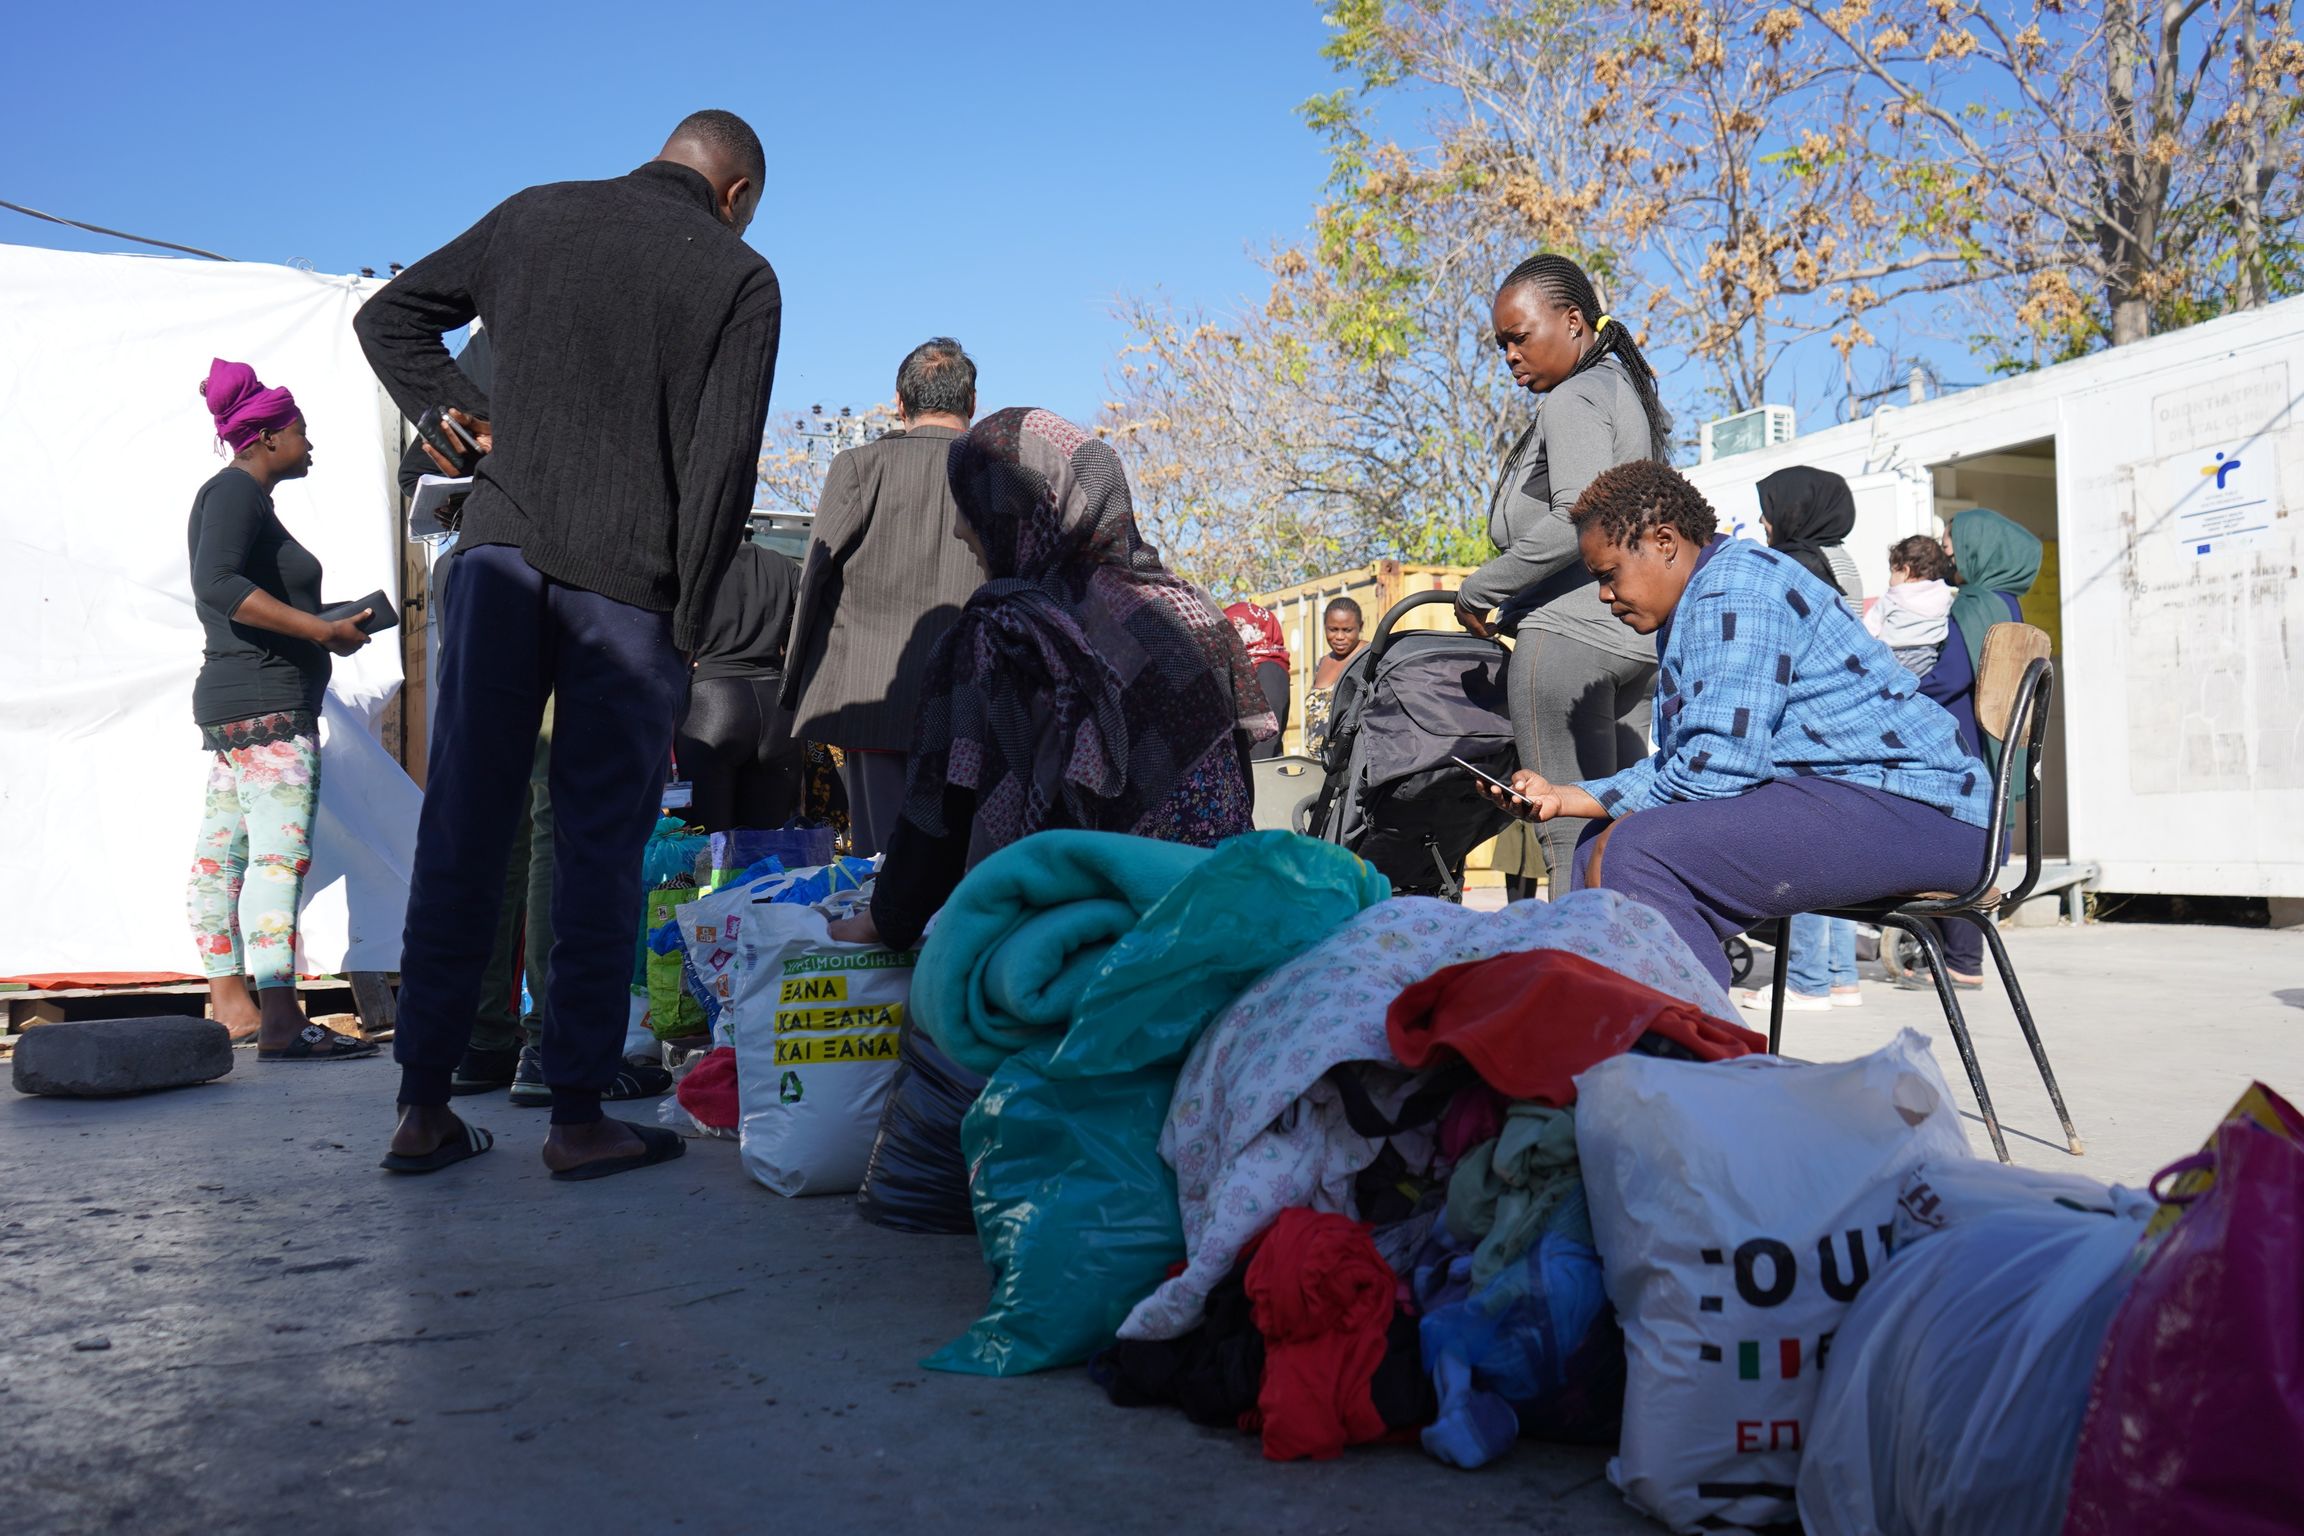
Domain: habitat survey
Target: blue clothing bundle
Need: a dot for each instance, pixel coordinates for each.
(1532, 1351)
(1763, 675)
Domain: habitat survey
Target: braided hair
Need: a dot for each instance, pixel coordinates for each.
(1563, 285)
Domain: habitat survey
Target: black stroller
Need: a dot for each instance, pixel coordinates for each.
(1406, 706)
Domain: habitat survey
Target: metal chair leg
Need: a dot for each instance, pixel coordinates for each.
(1933, 947)
(2031, 1034)
(1776, 992)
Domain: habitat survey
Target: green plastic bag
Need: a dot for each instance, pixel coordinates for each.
(673, 1014)
(1064, 1172)
(669, 854)
(1074, 1205)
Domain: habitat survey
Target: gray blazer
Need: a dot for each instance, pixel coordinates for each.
(885, 578)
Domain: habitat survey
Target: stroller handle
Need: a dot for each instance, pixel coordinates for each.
(1393, 615)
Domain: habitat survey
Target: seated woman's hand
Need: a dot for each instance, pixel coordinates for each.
(1475, 620)
(1532, 798)
(856, 929)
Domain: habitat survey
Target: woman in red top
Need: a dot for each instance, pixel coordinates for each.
(1259, 631)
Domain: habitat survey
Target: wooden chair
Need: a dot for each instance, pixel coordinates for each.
(2013, 688)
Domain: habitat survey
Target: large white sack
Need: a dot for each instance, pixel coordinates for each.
(1958, 1383)
(815, 1026)
(1738, 1208)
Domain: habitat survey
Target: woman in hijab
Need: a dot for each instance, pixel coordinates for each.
(1807, 513)
(1259, 630)
(1083, 686)
(1994, 563)
(257, 703)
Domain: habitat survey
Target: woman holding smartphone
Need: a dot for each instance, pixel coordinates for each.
(257, 703)
(1797, 767)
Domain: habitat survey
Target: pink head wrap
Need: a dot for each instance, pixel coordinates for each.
(242, 406)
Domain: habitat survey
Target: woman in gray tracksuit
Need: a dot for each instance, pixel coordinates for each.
(1580, 681)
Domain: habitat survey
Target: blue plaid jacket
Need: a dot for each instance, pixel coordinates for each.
(1763, 674)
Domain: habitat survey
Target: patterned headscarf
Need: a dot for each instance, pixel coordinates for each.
(1084, 683)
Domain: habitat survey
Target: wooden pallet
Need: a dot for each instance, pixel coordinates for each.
(189, 999)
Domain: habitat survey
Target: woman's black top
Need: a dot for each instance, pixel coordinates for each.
(751, 616)
(239, 546)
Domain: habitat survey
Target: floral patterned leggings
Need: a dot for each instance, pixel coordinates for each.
(255, 845)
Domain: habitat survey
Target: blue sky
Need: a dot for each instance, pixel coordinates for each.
(995, 171)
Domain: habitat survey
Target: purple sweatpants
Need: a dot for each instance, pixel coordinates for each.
(1714, 868)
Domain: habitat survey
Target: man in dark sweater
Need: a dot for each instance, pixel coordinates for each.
(634, 339)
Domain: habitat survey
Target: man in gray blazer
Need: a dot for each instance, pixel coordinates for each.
(885, 578)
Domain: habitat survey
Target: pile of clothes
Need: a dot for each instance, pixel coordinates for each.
(1259, 1142)
(1407, 1087)
(1285, 1152)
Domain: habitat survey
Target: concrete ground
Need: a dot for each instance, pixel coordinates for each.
(221, 1316)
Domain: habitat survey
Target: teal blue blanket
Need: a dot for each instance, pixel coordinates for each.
(1021, 938)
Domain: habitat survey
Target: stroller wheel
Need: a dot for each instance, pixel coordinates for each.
(1900, 955)
(1739, 961)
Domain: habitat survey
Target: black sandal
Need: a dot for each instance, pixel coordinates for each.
(659, 1146)
(638, 1080)
(466, 1141)
(316, 1042)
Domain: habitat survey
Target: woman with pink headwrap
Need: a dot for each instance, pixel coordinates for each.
(257, 703)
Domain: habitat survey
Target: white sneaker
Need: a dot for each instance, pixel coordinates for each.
(1794, 1002)
(1847, 997)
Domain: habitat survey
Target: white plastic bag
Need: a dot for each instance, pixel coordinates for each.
(1738, 1208)
(639, 1039)
(1959, 1380)
(815, 1026)
(710, 928)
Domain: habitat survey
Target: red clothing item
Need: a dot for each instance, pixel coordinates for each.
(1529, 1022)
(1322, 1296)
(709, 1090)
(1259, 631)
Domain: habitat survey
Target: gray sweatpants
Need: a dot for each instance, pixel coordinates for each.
(1578, 712)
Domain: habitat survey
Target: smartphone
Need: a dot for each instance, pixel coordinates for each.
(452, 446)
(1483, 773)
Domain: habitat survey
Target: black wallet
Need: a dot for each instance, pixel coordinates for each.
(382, 615)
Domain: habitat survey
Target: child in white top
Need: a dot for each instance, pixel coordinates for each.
(1914, 615)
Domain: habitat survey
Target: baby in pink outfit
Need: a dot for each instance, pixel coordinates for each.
(1914, 615)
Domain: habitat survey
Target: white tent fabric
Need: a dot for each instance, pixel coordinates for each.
(105, 439)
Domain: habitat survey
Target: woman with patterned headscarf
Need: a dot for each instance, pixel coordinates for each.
(1084, 685)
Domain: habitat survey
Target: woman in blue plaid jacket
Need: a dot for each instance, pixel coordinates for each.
(1797, 765)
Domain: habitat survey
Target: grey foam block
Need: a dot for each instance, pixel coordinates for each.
(103, 1057)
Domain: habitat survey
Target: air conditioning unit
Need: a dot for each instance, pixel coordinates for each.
(1748, 432)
